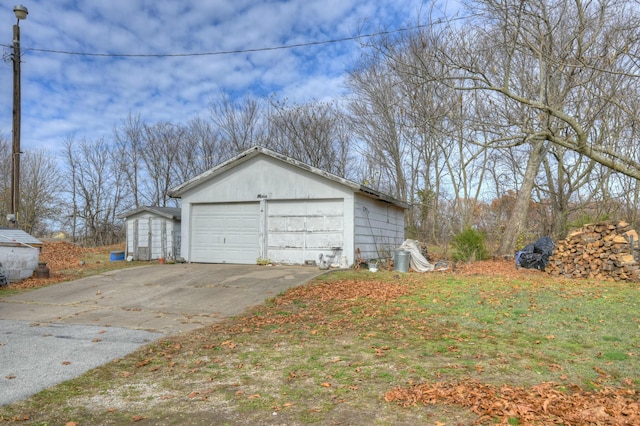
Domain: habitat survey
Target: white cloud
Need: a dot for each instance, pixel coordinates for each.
(70, 95)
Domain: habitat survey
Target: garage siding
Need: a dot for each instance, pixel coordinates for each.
(379, 228)
(225, 233)
(301, 230)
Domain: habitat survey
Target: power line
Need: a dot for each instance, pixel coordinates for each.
(225, 52)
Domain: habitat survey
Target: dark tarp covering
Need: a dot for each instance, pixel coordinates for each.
(536, 255)
(4, 280)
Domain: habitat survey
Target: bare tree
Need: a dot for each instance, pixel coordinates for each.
(5, 178)
(128, 145)
(376, 109)
(41, 190)
(315, 133)
(94, 191)
(553, 70)
(416, 139)
(161, 154)
(240, 123)
(202, 149)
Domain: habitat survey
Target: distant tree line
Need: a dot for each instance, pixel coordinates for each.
(520, 120)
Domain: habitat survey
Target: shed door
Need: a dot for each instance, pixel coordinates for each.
(225, 233)
(301, 230)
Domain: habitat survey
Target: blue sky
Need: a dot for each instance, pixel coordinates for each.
(86, 96)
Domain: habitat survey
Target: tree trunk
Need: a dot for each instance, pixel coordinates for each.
(521, 207)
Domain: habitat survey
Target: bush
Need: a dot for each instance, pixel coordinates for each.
(470, 245)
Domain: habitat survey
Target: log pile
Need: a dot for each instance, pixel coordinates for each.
(599, 250)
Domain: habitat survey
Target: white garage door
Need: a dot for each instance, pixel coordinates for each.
(225, 233)
(301, 230)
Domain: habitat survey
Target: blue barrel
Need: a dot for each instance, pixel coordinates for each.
(117, 255)
(401, 261)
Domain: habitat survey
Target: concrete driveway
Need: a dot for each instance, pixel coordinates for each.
(58, 332)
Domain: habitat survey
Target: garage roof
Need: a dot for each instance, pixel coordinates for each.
(259, 150)
(174, 213)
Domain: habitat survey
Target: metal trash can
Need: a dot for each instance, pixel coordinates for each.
(401, 261)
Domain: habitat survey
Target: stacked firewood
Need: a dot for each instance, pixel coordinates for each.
(603, 250)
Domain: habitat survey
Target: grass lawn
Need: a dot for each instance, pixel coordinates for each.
(359, 348)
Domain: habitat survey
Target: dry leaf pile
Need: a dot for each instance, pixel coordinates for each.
(540, 404)
(345, 290)
(321, 299)
(62, 258)
(497, 267)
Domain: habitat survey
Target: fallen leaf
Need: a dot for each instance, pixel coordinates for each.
(137, 418)
(66, 362)
(325, 384)
(143, 363)
(600, 371)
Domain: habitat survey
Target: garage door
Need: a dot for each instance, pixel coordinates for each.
(301, 230)
(225, 233)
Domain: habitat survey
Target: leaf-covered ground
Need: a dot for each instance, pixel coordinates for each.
(482, 343)
(67, 261)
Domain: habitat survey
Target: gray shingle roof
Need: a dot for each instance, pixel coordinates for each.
(12, 236)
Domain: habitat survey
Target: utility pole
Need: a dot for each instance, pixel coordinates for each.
(21, 12)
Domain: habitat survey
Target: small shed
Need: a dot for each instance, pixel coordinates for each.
(153, 232)
(264, 206)
(19, 253)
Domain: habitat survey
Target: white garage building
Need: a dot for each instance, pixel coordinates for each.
(261, 205)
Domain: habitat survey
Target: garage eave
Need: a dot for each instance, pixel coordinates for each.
(372, 193)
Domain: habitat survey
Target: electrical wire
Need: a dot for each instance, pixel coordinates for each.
(224, 52)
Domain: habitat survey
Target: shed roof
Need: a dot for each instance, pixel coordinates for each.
(173, 213)
(14, 236)
(259, 150)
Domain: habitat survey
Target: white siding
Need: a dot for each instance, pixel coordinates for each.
(150, 237)
(301, 230)
(379, 228)
(18, 261)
